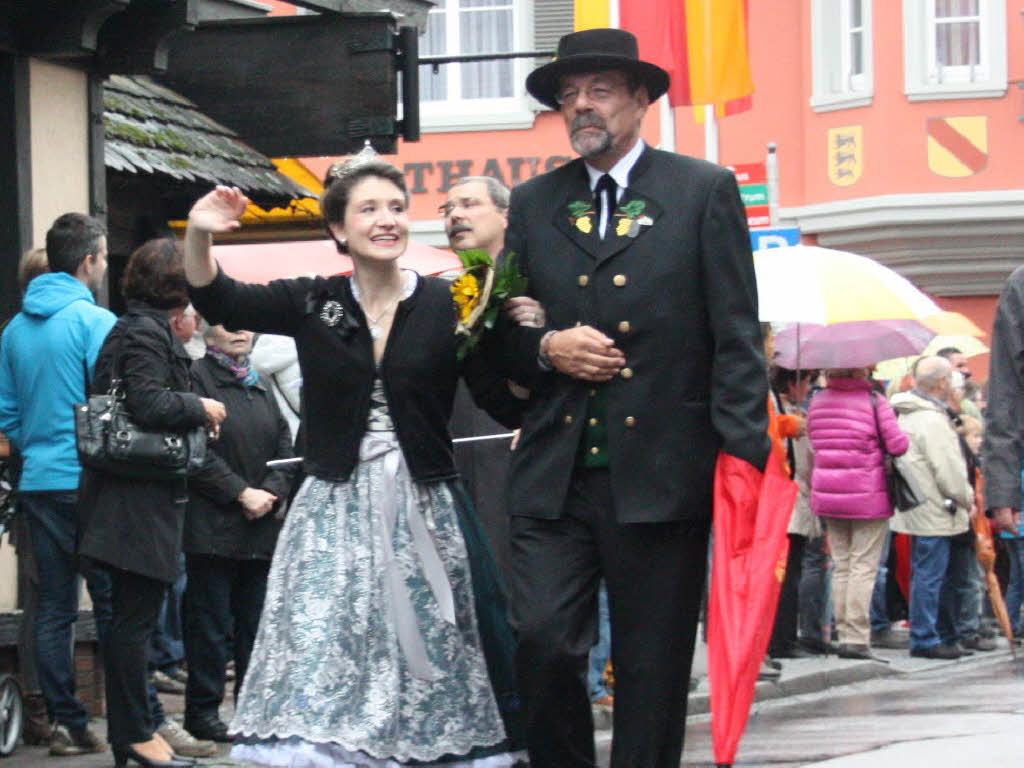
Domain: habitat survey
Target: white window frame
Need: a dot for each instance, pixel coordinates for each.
(508, 113)
(925, 80)
(834, 86)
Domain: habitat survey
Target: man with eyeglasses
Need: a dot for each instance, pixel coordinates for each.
(649, 363)
(475, 218)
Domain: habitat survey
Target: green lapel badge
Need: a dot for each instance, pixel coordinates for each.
(631, 217)
(580, 213)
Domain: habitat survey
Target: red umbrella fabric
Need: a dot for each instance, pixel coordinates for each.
(263, 262)
(752, 511)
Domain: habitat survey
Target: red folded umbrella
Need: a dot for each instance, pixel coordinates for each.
(752, 511)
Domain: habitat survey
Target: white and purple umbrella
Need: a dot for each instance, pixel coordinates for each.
(845, 310)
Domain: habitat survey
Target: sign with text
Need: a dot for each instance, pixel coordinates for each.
(749, 173)
(778, 237)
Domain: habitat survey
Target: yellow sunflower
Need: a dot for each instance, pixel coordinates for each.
(466, 290)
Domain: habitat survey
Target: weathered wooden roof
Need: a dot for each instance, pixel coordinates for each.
(150, 129)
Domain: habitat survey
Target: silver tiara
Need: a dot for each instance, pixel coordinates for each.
(346, 167)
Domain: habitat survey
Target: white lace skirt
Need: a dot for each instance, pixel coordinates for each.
(367, 652)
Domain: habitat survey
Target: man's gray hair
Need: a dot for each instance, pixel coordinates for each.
(931, 371)
(499, 192)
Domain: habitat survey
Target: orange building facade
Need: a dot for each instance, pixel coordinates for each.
(897, 124)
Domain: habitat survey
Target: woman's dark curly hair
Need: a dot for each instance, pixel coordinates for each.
(156, 275)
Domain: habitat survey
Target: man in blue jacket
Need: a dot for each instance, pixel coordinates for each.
(46, 354)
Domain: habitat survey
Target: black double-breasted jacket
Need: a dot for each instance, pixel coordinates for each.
(676, 291)
(419, 369)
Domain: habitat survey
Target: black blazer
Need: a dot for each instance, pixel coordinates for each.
(680, 300)
(253, 433)
(419, 368)
(132, 524)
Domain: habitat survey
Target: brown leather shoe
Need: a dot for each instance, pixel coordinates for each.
(65, 742)
(37, 729)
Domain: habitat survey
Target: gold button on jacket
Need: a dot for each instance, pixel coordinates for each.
(583, 280)
(626, 373)
(619, 280)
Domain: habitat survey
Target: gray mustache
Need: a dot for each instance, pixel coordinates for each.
(459, 228)
(587, 121)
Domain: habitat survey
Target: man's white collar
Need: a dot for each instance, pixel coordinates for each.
(619, 171)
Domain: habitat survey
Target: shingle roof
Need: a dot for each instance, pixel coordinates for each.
(151, 129)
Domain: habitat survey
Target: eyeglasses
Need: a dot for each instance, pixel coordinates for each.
(461, 202)
(598, 93)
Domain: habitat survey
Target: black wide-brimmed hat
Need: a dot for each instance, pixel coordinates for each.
(592, 50)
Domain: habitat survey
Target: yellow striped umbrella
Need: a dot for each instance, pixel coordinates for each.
(808, 284)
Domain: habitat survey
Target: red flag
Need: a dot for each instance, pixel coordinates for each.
(752, 511)
(702, 44)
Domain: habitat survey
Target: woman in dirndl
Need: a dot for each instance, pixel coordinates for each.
(383, 639)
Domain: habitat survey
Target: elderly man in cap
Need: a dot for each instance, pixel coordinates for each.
(649, 364)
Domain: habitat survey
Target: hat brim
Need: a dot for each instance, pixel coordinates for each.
(543, 82)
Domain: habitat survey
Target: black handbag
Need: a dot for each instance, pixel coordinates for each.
(109, 440)
(903, 491)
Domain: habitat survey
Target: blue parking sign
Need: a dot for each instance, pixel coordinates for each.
(774, 238)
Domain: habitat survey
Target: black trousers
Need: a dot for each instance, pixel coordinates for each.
(136, 602)
(784, 632)
(655, 576)
(220, 612)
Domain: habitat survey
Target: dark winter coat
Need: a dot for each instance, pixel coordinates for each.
(253, 433)
(133, 524)
(1004, 417)
(419, 369)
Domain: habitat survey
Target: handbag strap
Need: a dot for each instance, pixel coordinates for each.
(878, 426)
(780, 407)
(115, 377)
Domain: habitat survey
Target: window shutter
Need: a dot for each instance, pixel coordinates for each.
(551, 20)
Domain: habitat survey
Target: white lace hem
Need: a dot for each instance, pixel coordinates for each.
(298, 753)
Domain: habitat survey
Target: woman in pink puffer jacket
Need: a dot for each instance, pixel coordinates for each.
(848, 489)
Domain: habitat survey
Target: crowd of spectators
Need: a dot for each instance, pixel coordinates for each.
(843, 592)
(125, 535)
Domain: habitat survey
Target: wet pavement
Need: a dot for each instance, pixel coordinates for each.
(911, 713)
(824, 712)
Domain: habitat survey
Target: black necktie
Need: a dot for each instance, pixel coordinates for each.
(604, 198)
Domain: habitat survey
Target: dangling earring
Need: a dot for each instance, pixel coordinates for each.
(342, 242)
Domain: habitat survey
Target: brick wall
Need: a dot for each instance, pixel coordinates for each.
(89, 677)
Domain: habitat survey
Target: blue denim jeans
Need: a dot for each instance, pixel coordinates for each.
(1015, 589)
(815, 614)
(938, 573)
(168, 646)
(969, 597)
(52, 520)
(602, 649)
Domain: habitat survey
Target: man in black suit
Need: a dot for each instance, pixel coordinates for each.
(649, 364)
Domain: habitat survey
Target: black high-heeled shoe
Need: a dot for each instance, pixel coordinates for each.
(123, 754)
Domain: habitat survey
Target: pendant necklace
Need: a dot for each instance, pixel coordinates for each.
(373, 322)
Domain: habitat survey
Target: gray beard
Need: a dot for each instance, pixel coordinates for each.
(587, 149)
